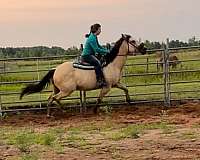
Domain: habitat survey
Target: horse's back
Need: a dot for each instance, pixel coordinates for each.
(66, 66)
(173, 58)
(67, 75)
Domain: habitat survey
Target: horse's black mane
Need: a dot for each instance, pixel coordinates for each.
(114, 51)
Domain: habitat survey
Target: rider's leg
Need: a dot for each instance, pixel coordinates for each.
(98, 69)
(99, 72)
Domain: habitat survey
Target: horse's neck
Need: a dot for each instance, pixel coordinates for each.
(120, 60)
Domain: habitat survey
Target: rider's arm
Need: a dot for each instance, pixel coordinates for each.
(96, 48)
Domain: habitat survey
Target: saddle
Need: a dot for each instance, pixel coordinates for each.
(79, 63)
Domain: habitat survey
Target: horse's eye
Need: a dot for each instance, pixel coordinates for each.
(133, 41)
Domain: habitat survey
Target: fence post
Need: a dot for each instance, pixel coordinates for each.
(4, 67)
(38, 77)
(157, 65)
(166, 75)
(4, 72)
(147, 66)
(81, 102)
(1, 106)
(84, 101)
(82, 93)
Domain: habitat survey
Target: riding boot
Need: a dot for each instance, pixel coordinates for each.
(101, 82)
(104, 83)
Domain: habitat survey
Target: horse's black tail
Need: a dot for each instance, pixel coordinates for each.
(34, 88)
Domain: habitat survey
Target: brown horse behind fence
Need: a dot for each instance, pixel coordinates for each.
(66, 79)
(173, 61)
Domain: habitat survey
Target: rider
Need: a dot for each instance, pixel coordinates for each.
(91, 48)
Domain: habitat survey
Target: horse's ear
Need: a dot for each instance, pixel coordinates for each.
(123, 36)
(128, 37)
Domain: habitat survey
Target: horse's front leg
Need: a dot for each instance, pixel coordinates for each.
(103, 92)
(123, 87)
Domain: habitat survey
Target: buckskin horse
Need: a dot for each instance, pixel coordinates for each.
(67, 77)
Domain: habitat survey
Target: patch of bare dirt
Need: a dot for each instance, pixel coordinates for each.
(153, 145)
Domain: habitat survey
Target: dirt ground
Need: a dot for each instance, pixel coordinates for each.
(179, 143)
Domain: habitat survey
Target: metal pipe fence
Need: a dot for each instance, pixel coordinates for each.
(145, 83)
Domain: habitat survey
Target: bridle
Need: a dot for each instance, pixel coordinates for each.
(132, 44)
(129, 43)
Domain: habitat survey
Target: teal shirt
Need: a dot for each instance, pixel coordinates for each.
(91, 47)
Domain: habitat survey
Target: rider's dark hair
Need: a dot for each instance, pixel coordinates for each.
(93, 29)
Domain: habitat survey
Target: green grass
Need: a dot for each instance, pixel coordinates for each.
(196, 126)
(114, 131)
(24, 138)
(134, 131)
(188, 135)
(30, 142)
(93, 137)
(92, 127)
(29, 157)
(76, 141)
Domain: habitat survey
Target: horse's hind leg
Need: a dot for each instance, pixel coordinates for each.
(50, 99)
(60, 95)
(57, 97)
(121, 86)
(103, 92)
(49, 102)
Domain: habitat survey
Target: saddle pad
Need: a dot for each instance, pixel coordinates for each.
(78, 64)
(83, 66)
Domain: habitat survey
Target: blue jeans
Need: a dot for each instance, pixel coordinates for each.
(92, 60)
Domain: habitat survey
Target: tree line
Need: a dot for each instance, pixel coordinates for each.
(42, 51)
(39, 51)
(173, 43)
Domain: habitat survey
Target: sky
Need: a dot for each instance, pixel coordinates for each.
(63, 23)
